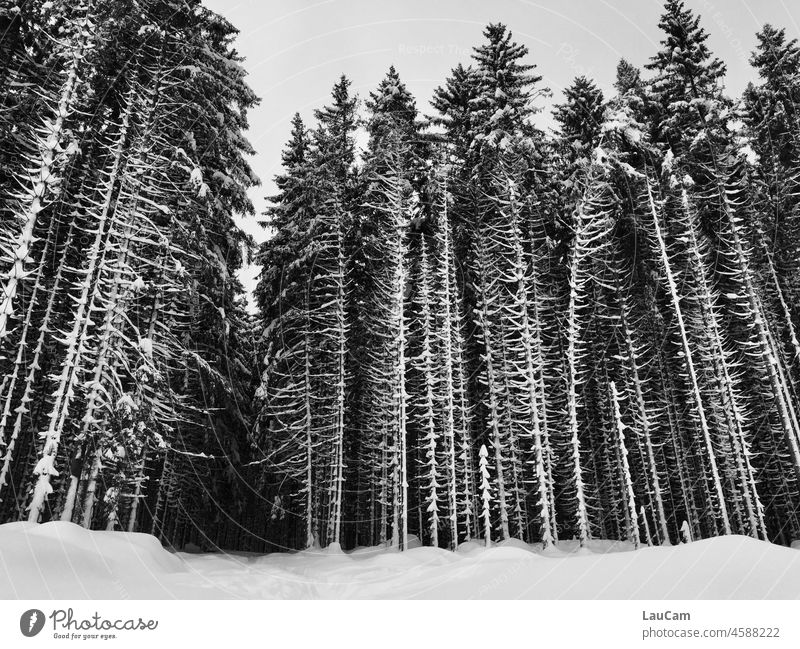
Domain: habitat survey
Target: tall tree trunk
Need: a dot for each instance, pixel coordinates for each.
(688, 359)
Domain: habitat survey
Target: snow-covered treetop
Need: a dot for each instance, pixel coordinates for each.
(580, 117)
(776, 58)
(454, 102)
(391, 106)
(684, 52)
(334, 137)
(506, 86)
(686, 91)
(629, 77)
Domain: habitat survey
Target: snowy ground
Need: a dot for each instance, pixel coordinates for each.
(64, 561)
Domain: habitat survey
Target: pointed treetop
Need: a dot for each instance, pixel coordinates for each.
(454, 103)
(503, 104)
(458, 90)
(340, 94)
(776, 58)
(629, 77)
(292, 188)
(500, 52)
(334, 137)
(684, 55)
(581, 115)
(687, 89)
(391, 106)
(392, 96)
(294, 155)
(771, 107)
(340, 113)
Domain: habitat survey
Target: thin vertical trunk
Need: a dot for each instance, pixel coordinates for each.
(89, 498)
(431, 438)
(137, 492)
(491, 388)
(644, 418)
(688, 359)
(402, 396)
(308, 414)
(340, 333)
(647, 534)
(581, 511)
(448, 305)
(627, 482)
(486, 496)
(529, 339)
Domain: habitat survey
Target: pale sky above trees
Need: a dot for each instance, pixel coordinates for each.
(296, 50)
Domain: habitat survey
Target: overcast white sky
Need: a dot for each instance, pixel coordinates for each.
(296, 49)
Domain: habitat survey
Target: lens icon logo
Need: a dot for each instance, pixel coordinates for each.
(31, 622)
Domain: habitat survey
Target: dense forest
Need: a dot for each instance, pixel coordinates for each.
(473, 328)
(126, 353)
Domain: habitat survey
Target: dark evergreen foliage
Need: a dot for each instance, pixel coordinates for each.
(471, 328)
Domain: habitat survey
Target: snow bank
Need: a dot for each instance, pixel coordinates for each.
(64, 561)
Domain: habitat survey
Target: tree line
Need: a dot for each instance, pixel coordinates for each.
(478, 329)
(473, 328)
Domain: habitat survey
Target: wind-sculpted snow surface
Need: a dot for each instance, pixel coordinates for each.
(65, 561)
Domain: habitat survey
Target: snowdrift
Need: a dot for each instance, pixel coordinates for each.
(64, 561)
